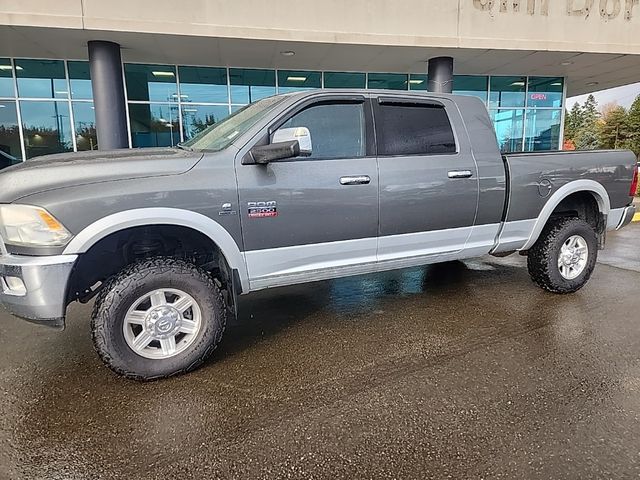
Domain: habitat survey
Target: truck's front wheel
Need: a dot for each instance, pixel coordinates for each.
(563, 258)
(158, 317)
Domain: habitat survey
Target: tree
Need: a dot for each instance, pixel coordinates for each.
(581, 125)
(573, 122)
(590, 112)
(613, 127)
(633, 125)
(587, 138)
(584, 125)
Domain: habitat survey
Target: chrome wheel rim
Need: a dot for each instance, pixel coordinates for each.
(573, 257)
(162, 323)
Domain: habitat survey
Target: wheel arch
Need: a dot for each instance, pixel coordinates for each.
(595, 189)
(141, 217)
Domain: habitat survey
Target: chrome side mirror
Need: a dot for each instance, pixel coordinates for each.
(301, 134)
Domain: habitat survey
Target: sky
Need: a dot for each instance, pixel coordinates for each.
(623, 96)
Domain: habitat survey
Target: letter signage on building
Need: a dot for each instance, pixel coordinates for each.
(604, 9)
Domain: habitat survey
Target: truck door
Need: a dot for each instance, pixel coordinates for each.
(428, 178)
(305, 217)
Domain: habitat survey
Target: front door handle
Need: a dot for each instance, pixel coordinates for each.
(460, 174)
(355, 180)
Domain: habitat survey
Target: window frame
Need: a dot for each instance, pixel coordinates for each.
(330, 99)
(416, 101)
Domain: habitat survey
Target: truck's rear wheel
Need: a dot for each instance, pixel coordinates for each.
(158, 317)
(563, 258)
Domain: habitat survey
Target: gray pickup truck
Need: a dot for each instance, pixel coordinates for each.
(290, 189)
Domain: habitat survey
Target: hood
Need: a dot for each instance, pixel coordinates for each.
(71, 169)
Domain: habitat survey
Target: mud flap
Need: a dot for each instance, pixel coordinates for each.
(602, 231)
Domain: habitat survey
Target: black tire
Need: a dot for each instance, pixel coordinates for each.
(123, 289)
(542, 259)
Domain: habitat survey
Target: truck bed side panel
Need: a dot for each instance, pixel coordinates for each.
(535, 177)
(613, 169)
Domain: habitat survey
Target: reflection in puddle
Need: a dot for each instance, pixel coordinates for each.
(478, 265)
(366, 292)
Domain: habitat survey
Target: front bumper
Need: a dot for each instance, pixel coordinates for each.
(35, 288)
(627, 216)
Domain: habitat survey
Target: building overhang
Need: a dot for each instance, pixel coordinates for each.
(593, 48)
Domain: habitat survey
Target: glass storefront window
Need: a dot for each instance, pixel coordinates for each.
(509, 126)
(543, 130)
(203, 84)
(388, 81)
(249, 85)
(46, 89)
(545, 92)
(294, 81)
(418, 82)
(471, 85)
(154, 125)
(195, 118)
(84, 121)
(6, 78)
(46, 127)
(156, 83)
(344, 80)
(41, 79)
(507, 91)
(9, 131)
(80, 80)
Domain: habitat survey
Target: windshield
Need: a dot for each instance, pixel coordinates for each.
(220, 135)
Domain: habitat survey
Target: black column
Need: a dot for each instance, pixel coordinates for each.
(440, 74)
(108, 94)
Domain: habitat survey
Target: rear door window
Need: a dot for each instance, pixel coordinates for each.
(413, 129)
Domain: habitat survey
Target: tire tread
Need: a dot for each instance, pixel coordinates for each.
(540, 261)
(125, 279)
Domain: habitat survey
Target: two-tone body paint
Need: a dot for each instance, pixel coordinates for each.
(408, 214)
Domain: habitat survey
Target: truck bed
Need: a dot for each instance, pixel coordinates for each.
(536, 180)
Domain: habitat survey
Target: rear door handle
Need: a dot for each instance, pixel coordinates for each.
(355, 180)
(460, 174)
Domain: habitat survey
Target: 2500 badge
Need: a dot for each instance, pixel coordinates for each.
(262, 209)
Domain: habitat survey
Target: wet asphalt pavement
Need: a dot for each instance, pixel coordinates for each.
(462, 370)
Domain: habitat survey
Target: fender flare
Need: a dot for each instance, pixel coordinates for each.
(591, 186)
(113, 223)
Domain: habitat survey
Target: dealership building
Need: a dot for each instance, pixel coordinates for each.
(87, 74)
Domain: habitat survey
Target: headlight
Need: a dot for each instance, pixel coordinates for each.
(31, 226)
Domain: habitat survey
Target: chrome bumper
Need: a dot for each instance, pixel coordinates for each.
(35, 288)
(627, 216)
